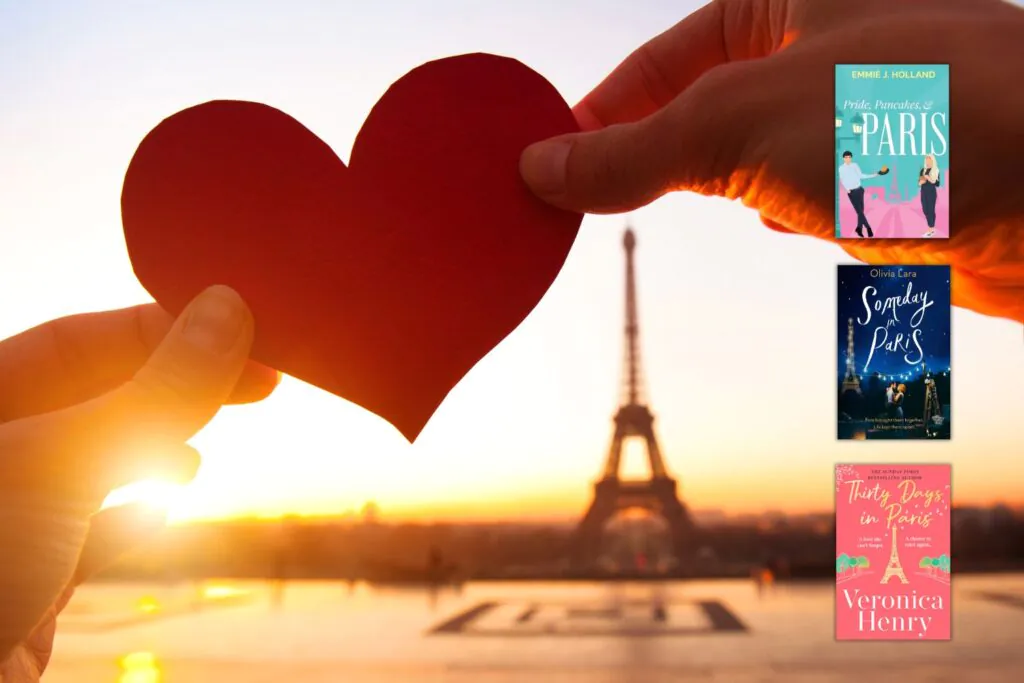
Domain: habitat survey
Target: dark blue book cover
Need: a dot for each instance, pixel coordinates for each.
(894, 359)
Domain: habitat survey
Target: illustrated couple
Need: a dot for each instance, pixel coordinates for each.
(894, 394)
(850, 176)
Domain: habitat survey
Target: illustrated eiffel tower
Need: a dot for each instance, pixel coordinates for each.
(658, 494)
(894, 196)
(850, 382)
(894, 568)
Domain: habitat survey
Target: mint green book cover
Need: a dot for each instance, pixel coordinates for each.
(892, 151)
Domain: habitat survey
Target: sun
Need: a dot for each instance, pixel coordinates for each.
(155, 493)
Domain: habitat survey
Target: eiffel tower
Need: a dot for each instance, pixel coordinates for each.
(633, 420)
(850, 382)
(894, 568)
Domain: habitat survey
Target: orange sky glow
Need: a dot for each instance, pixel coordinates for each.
(737, 321)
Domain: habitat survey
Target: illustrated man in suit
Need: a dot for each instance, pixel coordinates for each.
(850, 176)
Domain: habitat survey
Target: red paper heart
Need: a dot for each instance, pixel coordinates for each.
(383, 282)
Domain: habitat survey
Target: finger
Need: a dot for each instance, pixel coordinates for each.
(177, 392)
(172, 463)
(73, 359)
(39, 645)
(658, 71)
(256, 383)
(112, 533)
(777, 227)
(695, 143)
(83, 449)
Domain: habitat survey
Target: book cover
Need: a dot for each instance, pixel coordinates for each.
(892, 151)
(894, 353)
(892, 552)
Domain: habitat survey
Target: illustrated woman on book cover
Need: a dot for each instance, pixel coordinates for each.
(897, 400)
(928, 179)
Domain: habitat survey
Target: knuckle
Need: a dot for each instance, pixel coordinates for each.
(654, 80)
(165, 386)
(601, 169)
(721, 124)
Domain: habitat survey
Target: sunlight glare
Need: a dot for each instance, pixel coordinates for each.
(139, 667)
(221, 592)
(149, 605)
(157, 494)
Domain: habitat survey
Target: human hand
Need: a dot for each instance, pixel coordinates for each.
(111, 532)
(89, 403)
(737, 100)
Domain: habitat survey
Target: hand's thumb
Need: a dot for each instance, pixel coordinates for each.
(604, 171)
(193, 371)
(179, 389)
(694, 143)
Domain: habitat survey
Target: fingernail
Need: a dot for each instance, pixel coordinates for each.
(215, 320)
(542, 166)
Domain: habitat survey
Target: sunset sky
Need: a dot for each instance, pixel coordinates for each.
(737, 321)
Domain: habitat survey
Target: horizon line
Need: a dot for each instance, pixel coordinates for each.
(484, 520)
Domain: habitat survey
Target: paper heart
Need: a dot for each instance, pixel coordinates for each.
(383, 282)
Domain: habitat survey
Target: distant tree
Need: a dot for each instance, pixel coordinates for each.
(862, 562)
(843, 562)
(936, 562)
(944, 563)
(925, 563)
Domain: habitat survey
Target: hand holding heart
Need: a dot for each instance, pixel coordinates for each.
(384, 282)
(735, 100)
(87, 404)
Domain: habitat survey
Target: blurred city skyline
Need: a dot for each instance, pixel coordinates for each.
(737, 321)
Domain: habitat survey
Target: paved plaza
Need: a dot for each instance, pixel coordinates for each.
(708, 632)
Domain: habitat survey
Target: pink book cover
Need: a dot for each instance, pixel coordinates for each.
(892, 552)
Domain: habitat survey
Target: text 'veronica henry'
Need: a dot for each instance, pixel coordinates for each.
(892, 613)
